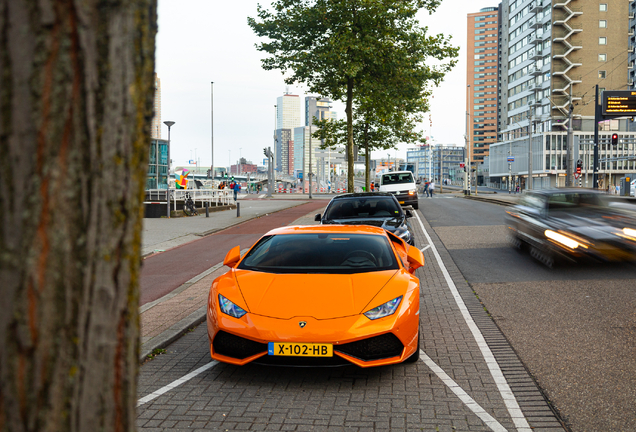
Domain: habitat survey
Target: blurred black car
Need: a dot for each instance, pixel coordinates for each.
(372, 208)
(573, 225)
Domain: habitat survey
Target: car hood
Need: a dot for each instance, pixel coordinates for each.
(389, 224)
(589, 225)
(321, 296)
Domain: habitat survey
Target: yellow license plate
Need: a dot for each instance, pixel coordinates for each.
(300, 349)
(401, 202)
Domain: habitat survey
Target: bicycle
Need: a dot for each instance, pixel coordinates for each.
(188, 206)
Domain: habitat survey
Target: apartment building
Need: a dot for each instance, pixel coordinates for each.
(552, 55)
(481, 79)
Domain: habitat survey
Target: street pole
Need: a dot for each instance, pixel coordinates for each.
(211, 129)
(310, 197)
(169, 124)
(271, 181)
(597, 119)
(509, 167)
(529, 185)
(569, 174)
(467, 187)
(304, 166)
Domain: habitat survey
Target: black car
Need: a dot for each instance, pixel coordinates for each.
(373, 208)
(571, 225)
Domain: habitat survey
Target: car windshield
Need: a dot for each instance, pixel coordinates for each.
(397, 178)
(321, 253)
(578, 202)
(355, 208)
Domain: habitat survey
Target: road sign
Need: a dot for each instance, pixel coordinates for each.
(462, 164)
(619, 103)
(511, 158)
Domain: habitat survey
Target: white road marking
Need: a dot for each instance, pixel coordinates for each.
(176, 383)
(502, 385)
(489, 420)
(424, 248)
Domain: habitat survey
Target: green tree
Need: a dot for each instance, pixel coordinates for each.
(338, 47)
(76, 102)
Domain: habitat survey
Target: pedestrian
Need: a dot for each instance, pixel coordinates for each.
(372, 186)
(426, 185)
(236, 188)
(431, 188)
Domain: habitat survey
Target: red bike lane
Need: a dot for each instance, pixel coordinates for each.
(163, 272)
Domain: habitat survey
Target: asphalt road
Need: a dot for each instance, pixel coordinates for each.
(573, 326)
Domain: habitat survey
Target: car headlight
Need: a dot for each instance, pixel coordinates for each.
(564, 240)
(412, 191)
(402, 232)
(227, 307)
(384, 310)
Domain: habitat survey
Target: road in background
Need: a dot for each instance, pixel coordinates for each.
(573, 326)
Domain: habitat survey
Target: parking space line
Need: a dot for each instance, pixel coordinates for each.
(489, 420)
(176, 383)
(509, 399)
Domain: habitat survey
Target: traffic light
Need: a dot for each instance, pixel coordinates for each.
(265, 152)
(579, 164)
(208, 173)
(614, 139)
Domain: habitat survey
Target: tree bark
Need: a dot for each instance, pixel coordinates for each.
(76, 101)
(349, 113)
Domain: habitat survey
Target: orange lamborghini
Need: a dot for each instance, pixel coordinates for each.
(318, 295)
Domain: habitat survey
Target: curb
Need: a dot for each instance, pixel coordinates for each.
(490, 200)
(166, 337)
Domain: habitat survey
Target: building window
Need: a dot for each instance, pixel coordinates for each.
(602, 24)
(601, 74)
(602, 57)
(602, 41)
(602, 7)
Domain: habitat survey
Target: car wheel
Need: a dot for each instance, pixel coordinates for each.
(544, 257)
(515, 242)
(416, 206)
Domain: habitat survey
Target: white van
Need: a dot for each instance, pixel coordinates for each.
(632, 188)
(402, 185)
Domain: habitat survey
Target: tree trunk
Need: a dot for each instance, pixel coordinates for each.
(76, 98)
(349, 113)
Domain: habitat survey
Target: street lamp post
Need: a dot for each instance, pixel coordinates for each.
(169, 124)
(310, 197)
(467, 164)
(212, 129)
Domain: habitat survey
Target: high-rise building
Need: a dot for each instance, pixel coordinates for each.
(481, 79)
(155, 128)
(552, 55)
(318, 108)
(287, 118)
(288, 111)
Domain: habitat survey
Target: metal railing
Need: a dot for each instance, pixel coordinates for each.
(209, 196)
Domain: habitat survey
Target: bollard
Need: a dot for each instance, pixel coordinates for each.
(207, 209)
(238, 209)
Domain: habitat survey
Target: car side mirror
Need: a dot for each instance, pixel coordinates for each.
(415, 258)
(418, 182)
(409, 214)
(317, 217)
(232, 257)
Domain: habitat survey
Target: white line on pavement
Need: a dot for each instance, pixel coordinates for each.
(176, 383)
(504, 389)
(489, 420)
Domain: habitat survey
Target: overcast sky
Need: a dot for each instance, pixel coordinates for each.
(201, 41)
